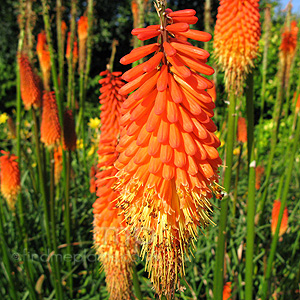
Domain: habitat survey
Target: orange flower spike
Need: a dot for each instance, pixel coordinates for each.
(289, 39)
(275, 214)
(58, 164)
(9, 178)
(50, 127)
(227, 291)
(168, 160)
(259, 172)
(30, 83)
(237, 33)
(70, 137)
(64, 28)
(242, 130)
(75, 49)
(82, 28)
(114, 246)
(82, 36)
(44, 58)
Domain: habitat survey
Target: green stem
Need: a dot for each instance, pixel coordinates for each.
(267, 29)
(20, 203)
(68, 221)
(71, 65)
(5, 257)
(207, 20)
(53, 226)
(289, 172)
(236, 183)
(136, 283)
(276, 122)
(220, 251)
(60, 45)
(251, 190)
(58, 288)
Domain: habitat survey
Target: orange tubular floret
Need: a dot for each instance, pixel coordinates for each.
(188, 20)
(182, 13)
(179, 27)
(196, 35)
(139, 53)
(195, 52)
(168, 162)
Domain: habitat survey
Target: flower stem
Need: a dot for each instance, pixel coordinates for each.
(5, 257)
(60, 45)
(251, 190)
(276, 122)
(289, 171)
(220, 251)
(136, 283)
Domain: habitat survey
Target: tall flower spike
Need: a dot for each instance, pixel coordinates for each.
(288, 49)
(50, 127)
(259, 172)
(237, 33)
(275, 214)
(9, 178)
(75, 49)
(70, 137)
(30, 83)
(114, 246)
(44, 58)
(82, 36)
(168, 159)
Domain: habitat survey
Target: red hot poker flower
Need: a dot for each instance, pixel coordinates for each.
(242, 130)
(75, 49)
(237, 33)
(82, 36)
(168, 159)
(9, 178)
(114, 246)
(227, 291)
(30, 83)
(259, 172)
(44, 58)
(289, 39)
(275, 214)
(50, 127)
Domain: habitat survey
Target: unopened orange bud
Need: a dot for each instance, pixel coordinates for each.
(275, 214)
(242, 130)
(75, 49)
(44, 58)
